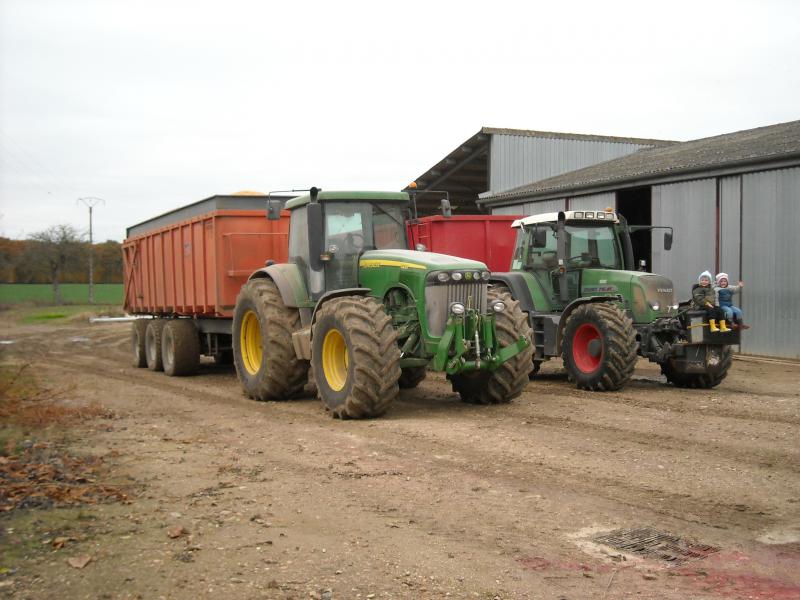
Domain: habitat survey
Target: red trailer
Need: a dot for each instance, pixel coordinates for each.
(188, 265)
(488, 238)
(193, 261)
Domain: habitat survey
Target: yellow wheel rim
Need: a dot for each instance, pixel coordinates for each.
(335, 360)
(250, 342)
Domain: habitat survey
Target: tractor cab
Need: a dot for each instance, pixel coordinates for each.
(558, 252)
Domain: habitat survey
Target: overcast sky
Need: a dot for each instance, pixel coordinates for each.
(151, 105)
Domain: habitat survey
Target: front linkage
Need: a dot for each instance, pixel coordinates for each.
(469, 343)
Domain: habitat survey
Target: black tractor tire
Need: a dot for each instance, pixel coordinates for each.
(411, 377)
(599, 347)
(537, 364)
(224, 357)
(138, 331)
(263, 354)
(700, 380)
(152, 344)
(180, 348)
(355, 357)
(509, 379)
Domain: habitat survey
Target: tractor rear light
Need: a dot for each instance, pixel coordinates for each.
(457, 308)
(578, 215)
(457, 276)
(590, 214)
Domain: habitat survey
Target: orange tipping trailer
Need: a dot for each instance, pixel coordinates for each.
(194, 260)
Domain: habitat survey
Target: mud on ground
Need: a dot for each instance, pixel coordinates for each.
(235, 498)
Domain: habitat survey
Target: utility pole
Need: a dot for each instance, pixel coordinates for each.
(91, 202)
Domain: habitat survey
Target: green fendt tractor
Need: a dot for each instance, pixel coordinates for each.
(370, 316)
(572, 272)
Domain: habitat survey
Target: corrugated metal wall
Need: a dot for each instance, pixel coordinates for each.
(531, 208)
(594, 202)
(771, 262)
(690, 208)
(519, 160)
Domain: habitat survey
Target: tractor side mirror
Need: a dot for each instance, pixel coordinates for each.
(667, 240)
(539, 237)
(447, 210)
(316, 235)
(273, 209)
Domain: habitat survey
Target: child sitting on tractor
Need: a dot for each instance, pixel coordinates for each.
(725, 294)
(705, 298)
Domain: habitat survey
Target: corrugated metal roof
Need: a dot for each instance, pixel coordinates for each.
(763, 144)
(464, 171)
(577, 136)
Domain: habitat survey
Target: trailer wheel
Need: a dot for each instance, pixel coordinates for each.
(152, 344)
(263, 354)
(599, 348)
(700, 380)
(138, 331)
(355, 357)
(180, 348)
(509, 379)
(411, 377)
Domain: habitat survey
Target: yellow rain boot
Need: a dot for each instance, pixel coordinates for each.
(723, 327)
(712, 326)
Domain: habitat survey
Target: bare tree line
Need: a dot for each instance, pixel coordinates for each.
(58, 254)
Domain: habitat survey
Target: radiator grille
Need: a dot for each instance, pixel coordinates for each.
(438, 299)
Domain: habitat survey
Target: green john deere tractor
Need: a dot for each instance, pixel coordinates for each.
(572, 272)
(369, 316)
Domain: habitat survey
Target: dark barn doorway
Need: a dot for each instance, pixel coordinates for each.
(637, 207)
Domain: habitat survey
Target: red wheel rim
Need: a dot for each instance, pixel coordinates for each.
(581, 353)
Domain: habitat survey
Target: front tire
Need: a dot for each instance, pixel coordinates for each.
(355, 357)
(180, 348)
(509, 379)
(700, 380)
(411, 377)
(599, 347)
(263, 354)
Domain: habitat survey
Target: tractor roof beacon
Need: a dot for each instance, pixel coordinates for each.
(573, 274)
(369, 316)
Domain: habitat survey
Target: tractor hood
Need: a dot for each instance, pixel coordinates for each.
(412, 259)
(651, 296)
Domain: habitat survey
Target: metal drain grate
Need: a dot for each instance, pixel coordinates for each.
(649, 543)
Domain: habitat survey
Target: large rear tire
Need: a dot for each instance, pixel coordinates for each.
(355, 357)
(138, 331)
(263, 354)
(700, 380)
(599, 347)
(509, 379)
(180, 348)
(152, 344)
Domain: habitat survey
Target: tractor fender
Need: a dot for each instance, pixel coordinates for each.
(290, 282)
(518, 286)
(336, 294)
(571, 307)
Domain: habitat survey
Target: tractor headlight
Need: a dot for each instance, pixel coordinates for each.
(468, 275)
(457, 308)
(655, 305)
(485, 275)
(499, 306)
(476, 276)
(444, 276)
(457, 276)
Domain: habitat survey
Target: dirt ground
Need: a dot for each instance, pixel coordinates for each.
(234, 498)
